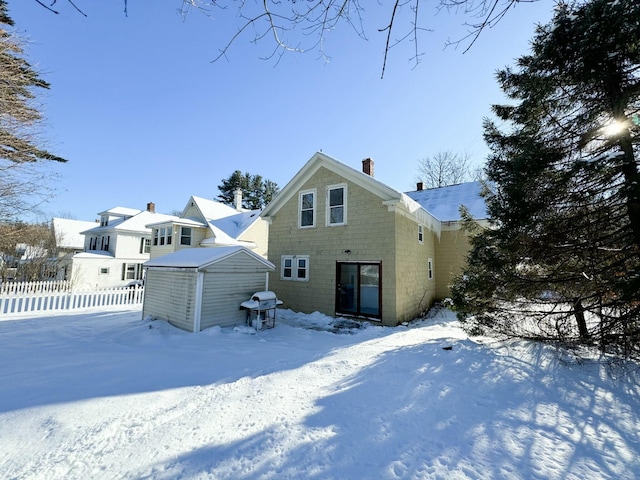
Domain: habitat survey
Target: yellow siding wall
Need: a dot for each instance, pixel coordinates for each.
(451, 254)
(414, 290)
(259, 234)
(369, 235)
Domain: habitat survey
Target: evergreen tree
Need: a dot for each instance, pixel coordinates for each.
(256, 191)
(562, 258)
(19, 119)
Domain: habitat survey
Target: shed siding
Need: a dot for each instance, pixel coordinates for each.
(222, 295)
(227, 284)
(170, 295)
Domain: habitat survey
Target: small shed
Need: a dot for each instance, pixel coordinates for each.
(198, 288)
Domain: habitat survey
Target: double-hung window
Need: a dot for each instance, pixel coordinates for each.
(307, 209)
(295, 268)
(162, 235)
(155, 236)
(420, 234)
(185, 235)
(337, 205)
(145, 245)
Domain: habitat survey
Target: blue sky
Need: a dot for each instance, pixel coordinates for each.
(142, 113)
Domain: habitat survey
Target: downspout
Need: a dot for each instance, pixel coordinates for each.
(266, 282)
(197, 314)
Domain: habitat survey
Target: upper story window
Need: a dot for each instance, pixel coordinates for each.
(169, 235)
(162, 235)
(307, 209)
(420, 234)
(337, 205)
(104, 220)
(295, 268)
(185, 235)
(155, 236)
(145, 245)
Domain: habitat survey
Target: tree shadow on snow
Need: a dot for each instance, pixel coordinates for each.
(469, 412)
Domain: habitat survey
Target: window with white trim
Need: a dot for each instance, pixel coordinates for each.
(336, 205)
(104, 270)
(295, 268)
(307, 209)
(430, 268)
(145, 245)
(162, 235)
(155, 236)
(420, 234)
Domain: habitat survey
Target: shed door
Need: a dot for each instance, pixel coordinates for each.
(358, 289)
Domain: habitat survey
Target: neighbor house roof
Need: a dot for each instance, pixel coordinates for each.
(197, 258)
(68, 232)
(136, 223)
(226, 223)
(444, 202)
(123, 211)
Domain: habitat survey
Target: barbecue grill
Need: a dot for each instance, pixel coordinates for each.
(261, 309)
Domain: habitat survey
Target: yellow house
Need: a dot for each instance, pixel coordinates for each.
(207, 223)
(344, 243)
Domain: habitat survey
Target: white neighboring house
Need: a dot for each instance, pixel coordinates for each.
(69, 241)
(115, 250)
(207, 223)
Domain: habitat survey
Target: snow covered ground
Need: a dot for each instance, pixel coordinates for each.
(105, 395)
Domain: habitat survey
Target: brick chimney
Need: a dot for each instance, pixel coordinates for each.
(419, 186)
(367, 166)
(151, 207)
(237, 199)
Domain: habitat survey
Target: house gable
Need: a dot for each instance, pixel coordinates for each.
(392, 199)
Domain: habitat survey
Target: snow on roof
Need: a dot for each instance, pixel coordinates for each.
(199, 257)
(68, 232)
(444, 202)
(137, 223)
(94, 254)
(212, 210)
(140, 221)
(125, 211)
(235, 225)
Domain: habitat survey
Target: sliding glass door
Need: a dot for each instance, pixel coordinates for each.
(358, 289)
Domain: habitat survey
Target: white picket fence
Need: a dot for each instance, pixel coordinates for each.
(51, 301)
(19, 288)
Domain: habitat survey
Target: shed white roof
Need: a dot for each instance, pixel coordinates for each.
(202, 257)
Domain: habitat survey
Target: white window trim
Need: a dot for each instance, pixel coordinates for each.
(315, 209)
(421, 234)
(344, 205)
(430, 268)
(294, 268)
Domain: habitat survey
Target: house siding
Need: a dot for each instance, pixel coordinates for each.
(368, 221)
(414, 290)
(170, 295)
(450, 258)
(258, 233)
